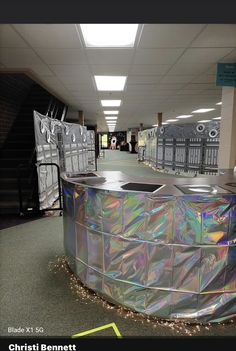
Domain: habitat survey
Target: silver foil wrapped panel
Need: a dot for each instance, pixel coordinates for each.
(167, 256)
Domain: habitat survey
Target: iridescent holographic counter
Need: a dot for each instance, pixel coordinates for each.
(169, 253)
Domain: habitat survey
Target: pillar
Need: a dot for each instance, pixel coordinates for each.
(141, 126)
(81, 118)
(227, 148)
(159, 119)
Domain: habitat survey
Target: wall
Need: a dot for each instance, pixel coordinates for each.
(14, 89)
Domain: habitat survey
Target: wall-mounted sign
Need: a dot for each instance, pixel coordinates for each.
(226, 74)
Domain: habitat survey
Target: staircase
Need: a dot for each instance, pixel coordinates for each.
(18, 149)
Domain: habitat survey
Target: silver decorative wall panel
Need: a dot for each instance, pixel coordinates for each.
(191, 148)
(65, 144)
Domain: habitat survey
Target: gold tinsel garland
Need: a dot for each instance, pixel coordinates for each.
(82, 293)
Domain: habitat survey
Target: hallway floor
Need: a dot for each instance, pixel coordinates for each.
(126, 162)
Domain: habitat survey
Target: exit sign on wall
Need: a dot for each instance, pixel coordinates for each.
(226, 74)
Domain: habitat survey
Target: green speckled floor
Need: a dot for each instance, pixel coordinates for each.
(126, 162)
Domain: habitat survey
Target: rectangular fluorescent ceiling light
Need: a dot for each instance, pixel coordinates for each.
(110, 102)
(163, 123)
(111, 117)
(109, 35)
(110, 83)
(171, 120)
(204, 120)
(219, 103)
(203, 110)
(184, 116)
(114, 112)
(217, 118)
(111, 124)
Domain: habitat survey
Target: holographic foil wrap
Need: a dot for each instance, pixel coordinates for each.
(171, 257)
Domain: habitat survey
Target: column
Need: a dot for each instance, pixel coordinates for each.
(81, 118)
(159, 119)
(227, 148)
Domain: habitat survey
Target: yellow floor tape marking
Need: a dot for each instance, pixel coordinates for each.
(90, 331)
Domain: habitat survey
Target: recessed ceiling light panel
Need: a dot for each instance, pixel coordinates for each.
(113, 112)
(184, 116)
(108, 103)
(111, 118)
(204, 121)
(109, 35)
(110, 83)
(219, 103)
(171, 120)
(217, 118)
(203, 110)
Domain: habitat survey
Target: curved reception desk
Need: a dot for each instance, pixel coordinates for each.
(162, 247)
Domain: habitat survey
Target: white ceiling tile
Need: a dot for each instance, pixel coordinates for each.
(217, 35)
(168, 35)
(41, 70)
(110, 57)
(177, 79)
(212, 92)
(140, 87)
(62, 56)
(165, 92)
(189, 91)
(149, 69)
(110, 69)
(205, 78)
(54, 83)
(189, 68)
(168, 86)
(9, 38)
(74, 86)
(201, 86)
(157, 56)
(84, 93)
(103, 95)
(75, 83)
(143, 79)
(204, 55)
(231, 58)
(212, 70)
(19, 57)
(72, 73)
(50, 35)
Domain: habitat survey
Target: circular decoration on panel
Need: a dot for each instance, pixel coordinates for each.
(200, 128)
(162, 129)
(48, 136)
(213, 133)
(73, 137)
(43, 126)
(52, 127)
(67, 130)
